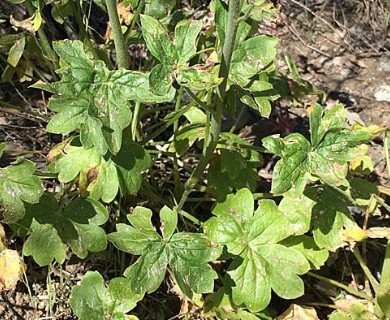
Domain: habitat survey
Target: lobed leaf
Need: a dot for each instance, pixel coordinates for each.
(52, 229)
(186, 33)
(157, 40)
(100, 177)
(187, 254)
(329, 216)
(297, 210)
(253, 56)
(233, 169)
(160, 79)
(307, 246)
(261, 261)
(95, 100)
(158, 8)
(196, 78)
(130, 162)
(327, 156)
(18, 186)
(92, 300)
(291, 170)
(147, 273)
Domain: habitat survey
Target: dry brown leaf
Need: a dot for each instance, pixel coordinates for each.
(346, 303)
(125, 15)
(11, 269)
(27, 24)
(378, 232)
(3, 240)
(384, 190)
(297, 312)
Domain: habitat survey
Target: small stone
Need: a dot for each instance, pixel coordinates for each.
(383, 93)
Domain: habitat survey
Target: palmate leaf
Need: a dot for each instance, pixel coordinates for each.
(253, 56)
(158, 41)
(330, 216)
(307, 246)
(52, 229)
(100, 177)
(18, 186)
(92, 300)
(322, 210)
(158, 8)
(187, 254)
(235, 167)
(196, 78)
(186, 33)
(94, 100)
(326, 157)
(231, 171)
(261, 261)
(174, 55)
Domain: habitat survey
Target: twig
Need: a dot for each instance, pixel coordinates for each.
(295, 32)
(314, 14)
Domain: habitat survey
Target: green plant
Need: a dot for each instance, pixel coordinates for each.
(107, 158)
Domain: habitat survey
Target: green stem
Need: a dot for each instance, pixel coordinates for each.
(137, 13)
(167, 124)
(233, 128)
(176, 174)
(121, 50)
(44, 44)
(340, 285)
(216, 114)
(76, 9)
(367, 272)
(83, 34)
(156, 109)
(191, 218)
(383, 294)
(386, 152)
(382, 202)
(197, 100)
(134, 121)
(265, 195)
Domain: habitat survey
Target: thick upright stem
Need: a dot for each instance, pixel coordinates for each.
(121, 51)
(216, 114)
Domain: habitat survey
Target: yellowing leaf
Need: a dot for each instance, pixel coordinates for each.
(354, 234)
(11, 269)
(37, 20)
(373, 129)
(297, 312)
(309, 110)
(362, 163)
